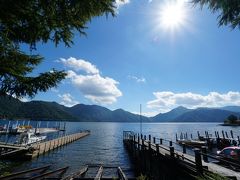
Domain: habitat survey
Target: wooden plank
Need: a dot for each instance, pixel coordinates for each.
(59, 171)
(21, 173)
(99, 173)
(189, 158)
(78, 174)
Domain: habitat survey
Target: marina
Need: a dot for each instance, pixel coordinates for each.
(104, 146)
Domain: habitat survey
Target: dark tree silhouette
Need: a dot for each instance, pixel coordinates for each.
(32, 21)
(229, 10)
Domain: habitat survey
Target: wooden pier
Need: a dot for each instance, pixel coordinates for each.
(16, 151)
(160, 161)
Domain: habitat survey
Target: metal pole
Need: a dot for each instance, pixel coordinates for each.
(140, 118)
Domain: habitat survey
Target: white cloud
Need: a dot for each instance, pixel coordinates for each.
(166, 100)
(67, 100)
(101, 90)
(80, 65)
(93, 86)
(137, 79)
(120, 3)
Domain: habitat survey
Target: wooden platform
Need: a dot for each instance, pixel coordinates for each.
(44, 147)
(14, 150)
(137, 144)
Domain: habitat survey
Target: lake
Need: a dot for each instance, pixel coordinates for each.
(104, 145)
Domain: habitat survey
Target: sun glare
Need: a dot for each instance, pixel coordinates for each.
(172, 15)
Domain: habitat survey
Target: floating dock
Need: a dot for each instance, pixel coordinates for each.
(8, 151)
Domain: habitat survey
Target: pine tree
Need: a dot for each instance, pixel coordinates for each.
(229, 10)
(32, 21)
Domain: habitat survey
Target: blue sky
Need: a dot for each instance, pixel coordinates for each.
(133, 59)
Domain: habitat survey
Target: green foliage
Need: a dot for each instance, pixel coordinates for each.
(232, 119)
(229, 10)
(32, 21)
(211, 176)
(142, 177)
(12, 108)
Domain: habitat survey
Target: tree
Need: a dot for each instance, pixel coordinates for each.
(232, 119)
(32, 21)
(229, 10)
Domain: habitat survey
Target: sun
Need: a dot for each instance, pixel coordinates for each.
(172, 15)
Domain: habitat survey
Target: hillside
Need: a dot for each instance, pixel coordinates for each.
(205, 115)
(12, 108)
(171, 115)
(101, 114)
(182, 114)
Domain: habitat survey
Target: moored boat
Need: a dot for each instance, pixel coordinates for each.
(192, 142)
(28, 138)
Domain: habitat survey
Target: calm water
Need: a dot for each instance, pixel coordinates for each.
(104, 145)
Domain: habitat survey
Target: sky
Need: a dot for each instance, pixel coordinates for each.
(158, 53)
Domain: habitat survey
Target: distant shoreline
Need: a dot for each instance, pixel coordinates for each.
(230, 124)
(61, 120)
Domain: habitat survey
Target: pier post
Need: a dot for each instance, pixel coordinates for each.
(44, 147)
(149, 138)
(145, 138)
(143, 145)
(157, 148)
(154, 140)
(198, 161)
(238, 140)
(170, 143)
(176, 137)
(226, 134)
(171, 151)
(223, 134)
(231, 132)
(191, 136)
(184, 148)
(204, 151)
(161, 140)
(138, 142)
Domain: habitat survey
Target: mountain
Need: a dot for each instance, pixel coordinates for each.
(206, 115)
(231, 108)
(12, 108)
(101, 114)
(171, 115)
(125, 116)
(41, 110)
(182, 114)
(7, 105)
(90, 112)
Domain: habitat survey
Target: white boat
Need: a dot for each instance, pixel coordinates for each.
(29, 138)
(191, 142)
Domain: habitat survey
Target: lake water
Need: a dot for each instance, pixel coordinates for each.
(104, 145)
